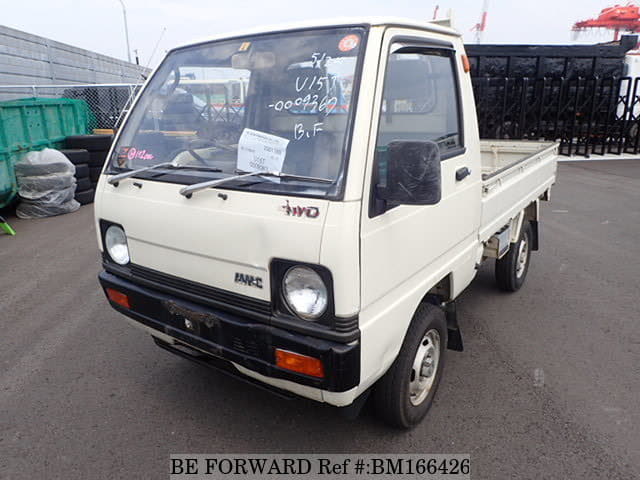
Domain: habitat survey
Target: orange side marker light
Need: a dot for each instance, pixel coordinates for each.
(118, 297)
(465, 64)
(299, 363)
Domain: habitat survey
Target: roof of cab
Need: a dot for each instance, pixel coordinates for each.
(335, 22)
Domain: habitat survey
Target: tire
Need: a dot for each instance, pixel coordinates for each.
(94, 173)
(85, 197)
(76, 156)
(512, 269)
(27, 210)
(82, 171)
(48, 198)
(97, 159)
(46, 182)
(93, 143)
(37, 170)
(83, 184)
(398, 399)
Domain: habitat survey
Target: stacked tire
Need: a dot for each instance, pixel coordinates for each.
(97, 148)
(85, 192)
(46, 184)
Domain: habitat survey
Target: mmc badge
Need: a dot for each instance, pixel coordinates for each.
(248, 280)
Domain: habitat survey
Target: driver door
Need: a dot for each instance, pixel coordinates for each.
(420, 99)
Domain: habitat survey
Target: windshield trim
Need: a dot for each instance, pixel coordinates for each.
(340, 181)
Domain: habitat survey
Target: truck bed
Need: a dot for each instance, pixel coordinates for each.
(514, 173)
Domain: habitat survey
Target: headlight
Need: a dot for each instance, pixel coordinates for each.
(305, 292)
(116, 244)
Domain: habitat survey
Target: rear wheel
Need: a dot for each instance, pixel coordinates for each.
(405, 393)
(512, 269)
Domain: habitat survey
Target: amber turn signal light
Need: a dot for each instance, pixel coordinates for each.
(118, 297)
(299, 363)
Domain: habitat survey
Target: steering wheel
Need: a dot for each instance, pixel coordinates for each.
(191, 147)
(221, 135)
(228, 133)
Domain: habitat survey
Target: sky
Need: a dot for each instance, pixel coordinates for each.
(98, 25)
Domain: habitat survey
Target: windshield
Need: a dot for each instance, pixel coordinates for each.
(279, 103)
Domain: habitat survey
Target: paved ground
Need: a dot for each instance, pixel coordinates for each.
(549, 386)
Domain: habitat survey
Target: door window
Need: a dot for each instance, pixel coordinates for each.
(420, 100)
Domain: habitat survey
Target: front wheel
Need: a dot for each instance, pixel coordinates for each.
(405, 393)
(511, 270)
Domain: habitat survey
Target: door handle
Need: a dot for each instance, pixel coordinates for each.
(461, 173)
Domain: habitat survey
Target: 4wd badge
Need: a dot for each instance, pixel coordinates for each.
(298, 211)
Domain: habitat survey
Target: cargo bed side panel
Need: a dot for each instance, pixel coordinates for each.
(508, 192)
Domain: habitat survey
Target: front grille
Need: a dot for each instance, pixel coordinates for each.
(249, 347)
(216, 295)
(343, 329)
(345, 324)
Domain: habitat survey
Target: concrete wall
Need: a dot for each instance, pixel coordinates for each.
(27, 59)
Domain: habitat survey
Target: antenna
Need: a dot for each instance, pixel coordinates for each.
(164, 29)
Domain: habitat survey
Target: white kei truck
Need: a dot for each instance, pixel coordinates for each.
(314, 244)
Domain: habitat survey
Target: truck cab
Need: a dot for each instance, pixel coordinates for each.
(315, 244)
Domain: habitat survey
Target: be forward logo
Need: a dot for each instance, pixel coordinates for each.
(298, 211)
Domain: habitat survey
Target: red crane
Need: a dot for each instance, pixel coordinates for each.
(617, 18)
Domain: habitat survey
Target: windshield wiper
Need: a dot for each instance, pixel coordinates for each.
(191, 189)
(291, 176)
(196, 167)
(115, 180)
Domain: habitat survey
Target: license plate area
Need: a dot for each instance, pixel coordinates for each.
(191, 320)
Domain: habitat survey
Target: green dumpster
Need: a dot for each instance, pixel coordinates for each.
(33, 124)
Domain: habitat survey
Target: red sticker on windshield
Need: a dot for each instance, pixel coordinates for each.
(348, 42)
(132, 153)
(123, 156)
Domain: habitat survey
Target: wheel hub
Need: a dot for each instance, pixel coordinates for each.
(523, 257)
(425, 366)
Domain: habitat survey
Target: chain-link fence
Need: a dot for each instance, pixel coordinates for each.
(108, 102)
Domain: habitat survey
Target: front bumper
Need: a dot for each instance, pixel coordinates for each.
(233, 338)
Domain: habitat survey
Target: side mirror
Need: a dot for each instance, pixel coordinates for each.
(409, 173)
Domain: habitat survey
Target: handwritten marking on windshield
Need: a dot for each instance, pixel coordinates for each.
(319, 82)
(299, 130)
(313, 86)
(311, 103)
(318, 59)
